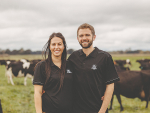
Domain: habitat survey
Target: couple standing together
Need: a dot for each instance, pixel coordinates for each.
(82, 84)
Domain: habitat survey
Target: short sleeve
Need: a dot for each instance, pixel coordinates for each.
(39, 77)
(111, 75)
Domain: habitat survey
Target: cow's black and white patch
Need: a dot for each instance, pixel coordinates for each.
(22, 68)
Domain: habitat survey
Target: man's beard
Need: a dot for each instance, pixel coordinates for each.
(89, 44)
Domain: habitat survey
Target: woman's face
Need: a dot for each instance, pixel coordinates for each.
(56, 47)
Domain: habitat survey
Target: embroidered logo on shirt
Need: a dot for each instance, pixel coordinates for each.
(68, 71)
(94, 67)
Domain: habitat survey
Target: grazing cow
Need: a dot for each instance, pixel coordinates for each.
(1, 111)
(35, 61)
(22, 68)
(143, 60)
(119, 68)
(6, 62)
(2, 62)
(123, 62)
(132, 84)
(145, 66)
(119, 65)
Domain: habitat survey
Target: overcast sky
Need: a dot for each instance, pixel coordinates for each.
(119, 24)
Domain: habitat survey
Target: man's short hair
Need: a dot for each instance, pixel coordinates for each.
(85, 26)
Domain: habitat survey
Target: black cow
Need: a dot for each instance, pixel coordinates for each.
(145, 66)
(143, 60)
(35, 61)
(132, 84)
(121, 68)
(2, 62)
(119, 64)
(22, 68)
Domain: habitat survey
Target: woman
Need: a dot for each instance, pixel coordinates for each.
(54, 77)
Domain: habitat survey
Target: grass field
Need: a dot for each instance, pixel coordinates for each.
(19, 98)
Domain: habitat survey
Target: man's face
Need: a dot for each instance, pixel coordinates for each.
(85, 38)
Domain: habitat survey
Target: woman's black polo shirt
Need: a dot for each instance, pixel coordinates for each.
(55, 100)
(91, 75)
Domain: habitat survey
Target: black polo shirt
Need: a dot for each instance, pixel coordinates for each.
(91, 75)
(55, 100)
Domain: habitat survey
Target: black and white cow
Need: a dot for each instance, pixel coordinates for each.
(21, 68)
(6, 62)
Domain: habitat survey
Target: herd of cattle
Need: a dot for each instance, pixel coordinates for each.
(22, 68)
(132, 84)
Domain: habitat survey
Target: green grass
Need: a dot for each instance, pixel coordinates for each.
(18, 57)
(19, 98)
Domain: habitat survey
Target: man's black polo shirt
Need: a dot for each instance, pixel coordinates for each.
(91, 75)
(55, 100)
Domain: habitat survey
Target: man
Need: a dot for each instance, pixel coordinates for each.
(94, 74)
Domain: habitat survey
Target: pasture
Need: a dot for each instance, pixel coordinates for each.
(19, 98)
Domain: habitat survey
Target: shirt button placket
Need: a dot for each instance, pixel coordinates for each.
(83, 63)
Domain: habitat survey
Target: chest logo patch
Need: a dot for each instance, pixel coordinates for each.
(94, 67)
(68, 71)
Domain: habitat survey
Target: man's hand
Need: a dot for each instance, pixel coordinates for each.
(107, 97)
(102, 98)
(43, 91)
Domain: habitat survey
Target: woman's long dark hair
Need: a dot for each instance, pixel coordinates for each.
(48, 58)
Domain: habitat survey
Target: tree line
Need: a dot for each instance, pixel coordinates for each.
(130, 52)
(25, 52)
(69, 51)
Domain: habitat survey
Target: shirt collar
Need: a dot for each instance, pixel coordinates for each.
(92, 54)
(51, 63)
(81, 52)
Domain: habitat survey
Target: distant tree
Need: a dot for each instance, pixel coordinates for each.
(14, 52)
(146, 52)
(120, 52)
(36, 52)
(21, 51)
(28, 51)
(8, 51)
(0, 51)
